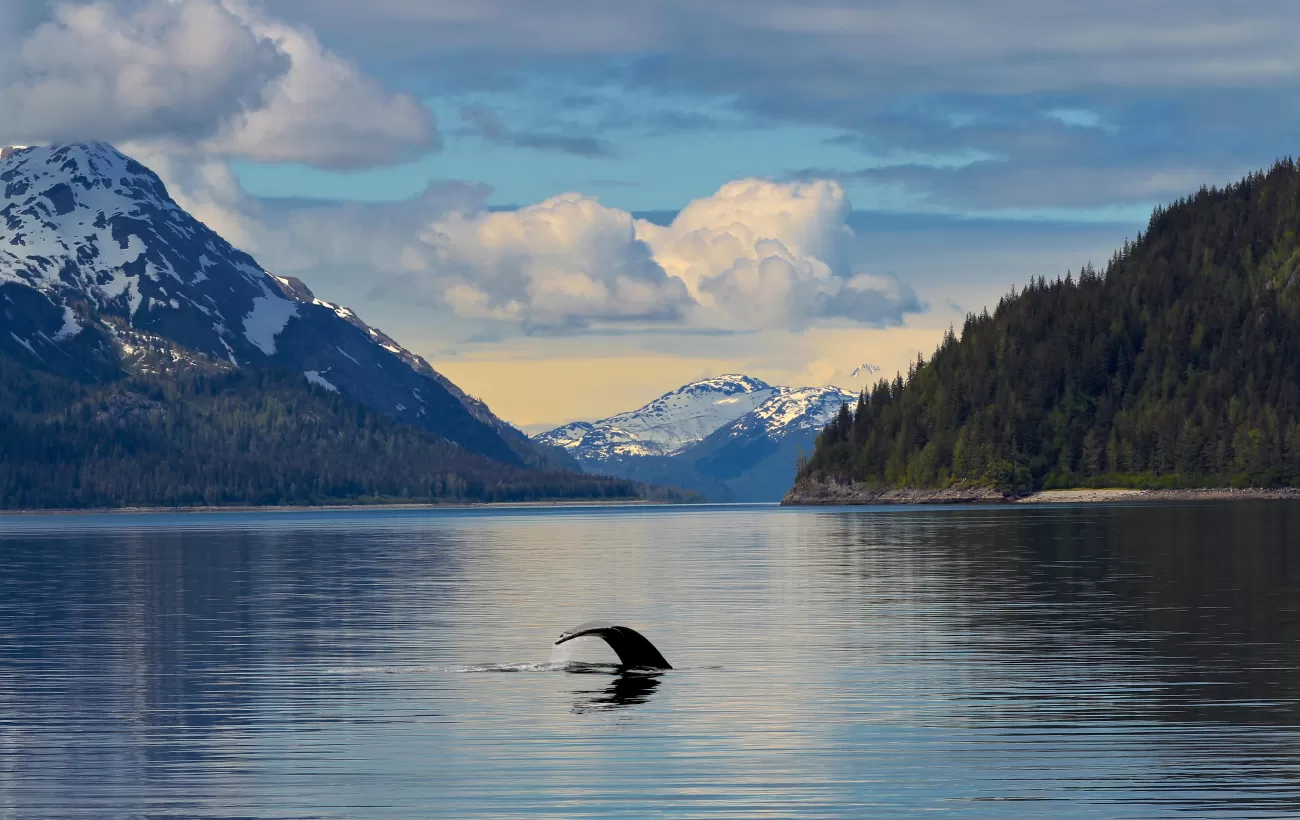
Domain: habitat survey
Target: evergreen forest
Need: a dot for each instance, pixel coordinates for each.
(1178, 365)
(212, 437)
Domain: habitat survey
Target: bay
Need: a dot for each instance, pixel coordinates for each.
(1080, 661)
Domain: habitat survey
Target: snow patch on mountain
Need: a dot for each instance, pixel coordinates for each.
(676, 421)
(569, 436)
(793, 410)
(739, 439)
(666, 425)
(71, 327)
(68, 205)
(268, 317)
(315, 377)
(20, 340)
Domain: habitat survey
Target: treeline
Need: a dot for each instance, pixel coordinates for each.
(236, 438)
(1178, 365)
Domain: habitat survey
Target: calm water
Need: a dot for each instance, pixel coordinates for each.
(1073, 662)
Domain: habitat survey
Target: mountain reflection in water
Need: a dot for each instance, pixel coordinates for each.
(1101, 662)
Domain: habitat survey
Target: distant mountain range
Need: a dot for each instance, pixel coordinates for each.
(865, 369)
(731, 438)
(105, 280)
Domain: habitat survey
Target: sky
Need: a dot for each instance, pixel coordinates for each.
(570, 207)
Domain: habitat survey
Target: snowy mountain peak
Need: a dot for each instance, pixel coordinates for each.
(727, 384)
(83, 221)
(677, 420)
(669, 423)
(865, 369)
(793, 409)
(730, 438)
(69, 176)
(88, 233)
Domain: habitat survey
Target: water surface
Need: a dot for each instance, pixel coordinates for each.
(1103, 661)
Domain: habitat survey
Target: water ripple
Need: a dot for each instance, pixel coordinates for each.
(1107, 662)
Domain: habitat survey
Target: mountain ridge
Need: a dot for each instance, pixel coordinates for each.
(96, 234)
(731, 437)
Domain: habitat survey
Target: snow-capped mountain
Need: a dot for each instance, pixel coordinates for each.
(791, 411)
(92, 248)
(732, 438)
(666, 425)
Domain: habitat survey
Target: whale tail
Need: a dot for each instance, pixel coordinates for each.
(634, 650)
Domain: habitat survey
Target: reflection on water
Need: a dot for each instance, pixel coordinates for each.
(1126, 661)
(626, 689)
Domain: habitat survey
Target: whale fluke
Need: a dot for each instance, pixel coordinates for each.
(634, 650)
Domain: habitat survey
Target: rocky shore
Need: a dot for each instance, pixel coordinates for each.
(1202, 494)
(832, 493)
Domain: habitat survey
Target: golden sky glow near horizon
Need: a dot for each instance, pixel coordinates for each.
(537, 384)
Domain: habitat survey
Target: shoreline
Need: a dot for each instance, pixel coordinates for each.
(1117, 494)
(820, 495)
(823, 494)
(244, 508)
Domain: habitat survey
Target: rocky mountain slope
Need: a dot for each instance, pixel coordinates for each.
(92, 249)
(731, 438)
(666, 425)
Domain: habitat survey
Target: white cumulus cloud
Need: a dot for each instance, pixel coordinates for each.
(756, 255)
(323, 111)
(760, 254)
(567, 261)
(174, 69)
(209, 76)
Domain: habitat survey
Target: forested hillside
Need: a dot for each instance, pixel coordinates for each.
(1178, 365)
(219, 436)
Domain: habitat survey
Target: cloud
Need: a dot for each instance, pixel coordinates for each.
(173, 69)
(565, 262)
(485, 122)
(1027, 154)
(756, 255)
(842, 49)
(331, 243)
(201, 76)
(323, 111)
(1100, 91)
(761, 254)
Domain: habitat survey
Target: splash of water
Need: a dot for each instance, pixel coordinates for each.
(587, 650)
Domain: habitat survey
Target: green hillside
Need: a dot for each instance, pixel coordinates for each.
(218, 436)
(1178, 365)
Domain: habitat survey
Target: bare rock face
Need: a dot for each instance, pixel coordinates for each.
(128, 409)
(822, 491)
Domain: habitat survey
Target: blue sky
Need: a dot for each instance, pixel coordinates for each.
(852, 174)
(636, 167)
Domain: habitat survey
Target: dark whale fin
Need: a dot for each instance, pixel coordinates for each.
(634, 650)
